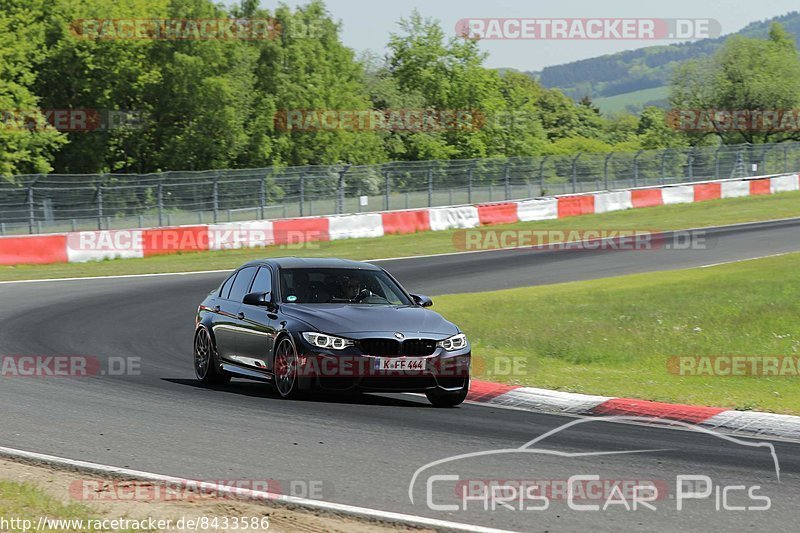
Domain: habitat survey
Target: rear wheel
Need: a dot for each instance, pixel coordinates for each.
(285, 366)
(205, 360)
(448, 399)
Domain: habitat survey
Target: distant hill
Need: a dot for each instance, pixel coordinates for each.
(633, 102)
(645, 71)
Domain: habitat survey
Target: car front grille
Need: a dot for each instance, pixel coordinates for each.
(391, 347)
(379, 347)
(418, 347)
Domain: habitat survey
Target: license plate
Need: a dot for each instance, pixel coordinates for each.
(393, 364)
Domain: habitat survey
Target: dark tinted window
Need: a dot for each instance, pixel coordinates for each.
(242, 283)
(225, 289)
(340, 285)
(263, 282)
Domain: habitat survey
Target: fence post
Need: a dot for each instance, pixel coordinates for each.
(262, 198)
(785, 160)
(31, 211)
(160, 201)
(507, 181)
(469, 185)
(691, 165)
(541, 175)
(716, 162)
(340, 195)
(99, 207)
(605, 170)
(636, 168)
(302, 193)
(664, 166)
(575, 173)
(386, 179)
(215, 197)
(430, 187)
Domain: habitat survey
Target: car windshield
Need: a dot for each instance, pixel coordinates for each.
(340, 285)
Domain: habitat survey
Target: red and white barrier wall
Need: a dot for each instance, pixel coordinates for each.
(78, 247)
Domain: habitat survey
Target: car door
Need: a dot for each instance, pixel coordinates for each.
(229, 324)
(256, 338)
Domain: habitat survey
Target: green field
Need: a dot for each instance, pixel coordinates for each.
(615, 336)
(681, 216)
(618, 103)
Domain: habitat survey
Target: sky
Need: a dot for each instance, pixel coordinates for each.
(366, 24)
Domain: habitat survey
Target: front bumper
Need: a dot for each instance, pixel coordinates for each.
(348, 369)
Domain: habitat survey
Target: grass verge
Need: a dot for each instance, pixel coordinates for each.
(615, 336)
(21, 505)
(32, 493)
(681, 216)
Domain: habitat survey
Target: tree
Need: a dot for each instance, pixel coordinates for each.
(27, 142)
(655, 133)
(450, 77)
(748, 76)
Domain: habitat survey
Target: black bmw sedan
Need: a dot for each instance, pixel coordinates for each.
(328, 324)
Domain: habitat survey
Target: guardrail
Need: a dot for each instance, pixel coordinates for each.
(83, 246)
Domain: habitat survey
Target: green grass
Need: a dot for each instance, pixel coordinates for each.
(619, 102)
(614, 336)
(716, 212)
(25, 501)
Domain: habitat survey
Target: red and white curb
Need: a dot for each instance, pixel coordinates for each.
(740, 423)
(83, 246)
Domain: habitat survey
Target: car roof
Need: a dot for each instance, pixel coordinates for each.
(313, 262)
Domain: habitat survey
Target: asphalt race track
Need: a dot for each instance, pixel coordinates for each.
(364, 451)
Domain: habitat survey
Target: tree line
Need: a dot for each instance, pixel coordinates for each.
(156, 104)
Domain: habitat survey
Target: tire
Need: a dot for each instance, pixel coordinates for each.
(206, 367)
(448, 399)
(284, 365)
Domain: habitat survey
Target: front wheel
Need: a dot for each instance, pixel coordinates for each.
(205, 360)
(285, 366)
(448, 399)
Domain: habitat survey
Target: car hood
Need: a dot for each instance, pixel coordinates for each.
(359, 321)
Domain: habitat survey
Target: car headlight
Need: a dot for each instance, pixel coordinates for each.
(456, 342)
(320, 340)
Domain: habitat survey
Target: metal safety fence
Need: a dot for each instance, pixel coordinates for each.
(47, 203)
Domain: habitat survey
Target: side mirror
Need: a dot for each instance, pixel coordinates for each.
(261, 299)
(421, 300)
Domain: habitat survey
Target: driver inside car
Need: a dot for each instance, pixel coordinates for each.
(347, 287)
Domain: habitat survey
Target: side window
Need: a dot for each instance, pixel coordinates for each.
(225, 289)
(242, 283)
(263, 282)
